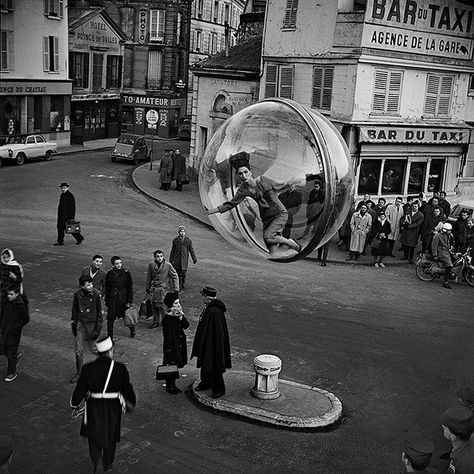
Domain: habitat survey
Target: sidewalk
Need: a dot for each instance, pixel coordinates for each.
(188, 202)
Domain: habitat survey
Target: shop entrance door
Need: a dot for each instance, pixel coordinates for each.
(435, 176)
(94, 122)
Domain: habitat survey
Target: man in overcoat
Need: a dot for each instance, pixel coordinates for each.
(181, 247)
(66, 212)
(14, 316)
(165, 169)
(361, 222)
(86, 320)
(118, 294)
(179, 169)
(440, 248)
(394, 213)
(161, 277)
(211, 345)
(103, 411)
(411, 228)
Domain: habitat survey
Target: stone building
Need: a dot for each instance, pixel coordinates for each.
(156, 62)
(35, 91)
(96, 49)
(393, 76)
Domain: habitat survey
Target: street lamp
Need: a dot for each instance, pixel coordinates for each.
(180, 85)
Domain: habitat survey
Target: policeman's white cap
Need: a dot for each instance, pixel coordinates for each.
(104, 345)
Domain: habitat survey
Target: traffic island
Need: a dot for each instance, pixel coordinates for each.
(298, 406)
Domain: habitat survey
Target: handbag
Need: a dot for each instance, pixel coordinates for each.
(146, 308)
(130, 318)
(183, 178)
(73, 227)
(376, 243)
(164, 372)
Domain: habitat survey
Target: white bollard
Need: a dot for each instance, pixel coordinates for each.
(267, 367)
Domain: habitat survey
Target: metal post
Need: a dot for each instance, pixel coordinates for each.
(151, 152)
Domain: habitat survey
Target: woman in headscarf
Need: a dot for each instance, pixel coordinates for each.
(10, 272)
(175, 350)
(181, 247)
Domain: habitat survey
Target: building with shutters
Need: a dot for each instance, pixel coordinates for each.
(208, 31)
(96, 49)
(155, 64)
(35, 91)
(393, 76)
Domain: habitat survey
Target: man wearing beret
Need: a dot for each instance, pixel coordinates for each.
(211, 344)
(66, 212)
(416, 456)
(457, 425)
(105, 387)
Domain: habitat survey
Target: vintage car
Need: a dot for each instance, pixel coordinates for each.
(184, 128)
(130, 147)
(21, 148)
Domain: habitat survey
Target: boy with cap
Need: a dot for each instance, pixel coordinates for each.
(457, 428)
(417, 454)
(211, 344)
(105, 386)
(66, 212)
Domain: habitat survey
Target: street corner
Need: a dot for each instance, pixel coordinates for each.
(297, 406)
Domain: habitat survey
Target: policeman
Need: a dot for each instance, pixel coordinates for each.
(457, 428)
(105, 387)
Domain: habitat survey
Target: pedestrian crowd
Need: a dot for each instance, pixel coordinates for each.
(380, 226)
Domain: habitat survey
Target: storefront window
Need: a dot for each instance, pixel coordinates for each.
(392, 182)
(436, 175)
(56, 115)
(416, 177)
(369, 176)
(10, 113)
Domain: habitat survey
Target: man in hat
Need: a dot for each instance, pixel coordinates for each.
(466, 397)
(457, 425)
(86, 319)
(181, 247)
(6, 452)
(66, 212)
(211, 344)
(105, 387)
(161, 277)
(416, 456)
(179, 169)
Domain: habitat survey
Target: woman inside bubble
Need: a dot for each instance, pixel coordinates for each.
(262, 189)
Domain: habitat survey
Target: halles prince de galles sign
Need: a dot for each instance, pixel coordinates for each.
(427, 27)
(416, 135)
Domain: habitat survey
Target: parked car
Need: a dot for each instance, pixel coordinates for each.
(456, 210)
(184, 127)
(130, 147)
(21, 148)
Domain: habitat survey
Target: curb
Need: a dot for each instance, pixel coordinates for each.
(190, 216)
(82, 150)
(271, 416)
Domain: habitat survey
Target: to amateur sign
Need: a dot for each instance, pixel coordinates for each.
(427, 27)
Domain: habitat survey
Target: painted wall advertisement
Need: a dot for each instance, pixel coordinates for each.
(95, 32)
(430, 27)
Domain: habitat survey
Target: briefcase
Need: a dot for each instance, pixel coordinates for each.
(73, 227)
(166, 372)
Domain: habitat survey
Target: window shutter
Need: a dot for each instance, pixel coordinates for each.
(153, 24)
(119, 72)
(61, 8)
(286, 82)
(446, 88)
(271, 81)
(161, 25)
(85, 81)
(4, 46)
(293, 14)
(108, 73)
(380, 89)
(46, 53)
(431, 99)
(327, 88)
(394, 89)
(46, 7)
(56, 53)
(289, 20)
(317, 87)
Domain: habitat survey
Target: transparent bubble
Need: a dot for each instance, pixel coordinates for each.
(296, 190)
